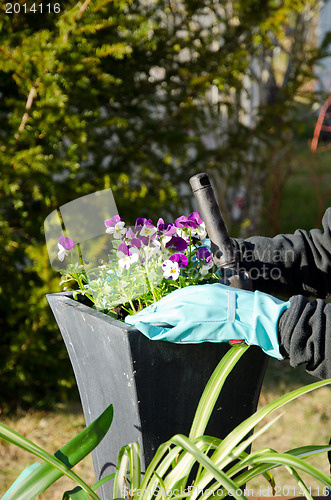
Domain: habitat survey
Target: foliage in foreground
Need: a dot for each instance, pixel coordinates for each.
(223, 466)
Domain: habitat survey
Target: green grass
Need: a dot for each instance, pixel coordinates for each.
(308, 185)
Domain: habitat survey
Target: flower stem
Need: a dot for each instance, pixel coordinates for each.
(132, 306)
(149, 283)
(152, 289)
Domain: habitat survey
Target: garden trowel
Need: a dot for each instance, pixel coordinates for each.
(222, 249)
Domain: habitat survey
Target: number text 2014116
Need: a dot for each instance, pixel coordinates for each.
(35, 8)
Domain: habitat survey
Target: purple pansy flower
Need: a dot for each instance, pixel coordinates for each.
(146, 229)
(161, 225)
(66, 242)
(113, 221)
(204, 253)
(180, 258)
(123, 248)
(132, 239)
(182, 221)
(141, 221)
(168, 229)
(192, 221)
(136, 242)
(195, 217)
(177, 243)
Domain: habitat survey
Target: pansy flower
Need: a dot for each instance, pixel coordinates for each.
(141, 221)
(130, 234)
(192, 221)
(170, 269)
(161, 226)
(148, 230)
(195, 218)
(132, 239)
(180, 258)
(64, 244)
(145, 227)
(166, 232)
(115, 226)
(203, 253)
(177, 243)
(127, 256)
(113, 221)
(205, 268)
(200, 232)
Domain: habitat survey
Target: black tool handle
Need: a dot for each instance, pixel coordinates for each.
(223, 252)
(221, 245)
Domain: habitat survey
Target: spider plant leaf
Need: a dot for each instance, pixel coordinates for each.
(203, 459)
(240, 432)
(76, 494)
(290, 460)
(300, 482)
(102, 481)
(213, 389)
(60, 463)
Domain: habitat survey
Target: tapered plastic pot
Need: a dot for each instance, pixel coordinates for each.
(155, 386)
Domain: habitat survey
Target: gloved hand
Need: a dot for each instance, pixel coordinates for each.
(213, 313)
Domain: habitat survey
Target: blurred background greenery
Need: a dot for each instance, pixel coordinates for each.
(139, 96)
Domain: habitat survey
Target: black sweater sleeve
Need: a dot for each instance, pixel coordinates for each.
(304, 331)
(296, 266)
(290, 264)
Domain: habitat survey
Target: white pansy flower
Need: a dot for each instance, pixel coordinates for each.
(61, 253)
(118, 231)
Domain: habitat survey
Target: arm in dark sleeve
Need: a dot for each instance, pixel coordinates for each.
(294, 264)
(304, 331)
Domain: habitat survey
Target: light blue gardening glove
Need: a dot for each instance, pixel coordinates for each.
(213, 313)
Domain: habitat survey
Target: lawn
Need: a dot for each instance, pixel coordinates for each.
(307, 192)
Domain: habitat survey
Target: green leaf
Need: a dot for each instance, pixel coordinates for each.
(223, 456)
(258, 469)
(239, 433)
(76, 494)
(128, 458)
(208, 464)
(102, 481)
(213, 389)
(300, 482)
(293, 462)
(61, 462)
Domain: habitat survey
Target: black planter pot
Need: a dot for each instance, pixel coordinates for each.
(154, 386)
